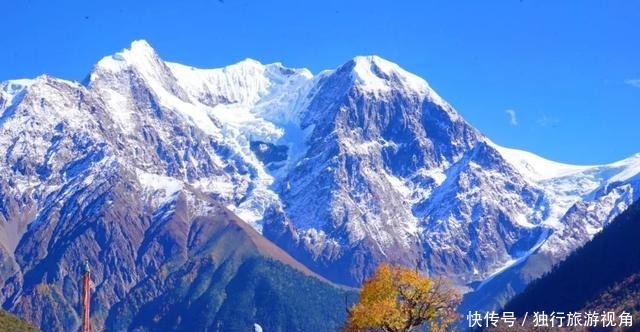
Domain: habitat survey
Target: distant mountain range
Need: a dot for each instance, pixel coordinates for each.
(171, 180)
(603, 275)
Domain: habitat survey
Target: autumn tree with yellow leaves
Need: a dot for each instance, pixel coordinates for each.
(398, 299)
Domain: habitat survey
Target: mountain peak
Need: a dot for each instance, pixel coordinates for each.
(375, 74)
(139, 54)
(141, 59)
(138, 50)
(141, 45)
(369, 60)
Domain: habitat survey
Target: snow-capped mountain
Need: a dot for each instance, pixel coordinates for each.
(343, 169)
(131, 172)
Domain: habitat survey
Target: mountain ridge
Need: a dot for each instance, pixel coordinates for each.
(343, 170)
(609, 259)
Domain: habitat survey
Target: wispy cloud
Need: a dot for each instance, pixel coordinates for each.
(633, 82)
(546, 120)
(513, 119)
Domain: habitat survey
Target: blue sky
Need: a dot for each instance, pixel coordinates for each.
(558, 78)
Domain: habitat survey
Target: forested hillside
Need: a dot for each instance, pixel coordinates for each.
(9, 322)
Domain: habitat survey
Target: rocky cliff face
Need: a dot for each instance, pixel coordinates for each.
(393, 173)
(140, 167)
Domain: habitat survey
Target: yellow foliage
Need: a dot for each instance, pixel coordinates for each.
(397, 299)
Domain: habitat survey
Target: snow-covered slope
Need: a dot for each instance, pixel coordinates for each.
(581, 199)
(566, 185)
(344, 169)
(233, 106)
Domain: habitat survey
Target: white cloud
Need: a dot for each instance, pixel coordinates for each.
(547, 121)
(633, 82)
(513, 119)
